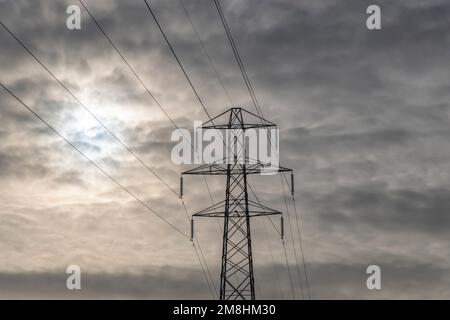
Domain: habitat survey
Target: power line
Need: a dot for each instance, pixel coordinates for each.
(138, 78)
(218, 77)
(238, 58)
(239, 61)
(282, 241)
(87, 109)
(187, 77)
(114, 180)
(177, 59)
(181, 67)
(273, 260)
(288, 269)
(201, 251)
(128, 65)
(301, 247)
(184, 72)
(135, 73)
(180, 64)
(297, 219)
(236, 214)
(258, 109)
(92, 114)
(259, 202)
(200, 257)
(162, 109)
(252, 94)
(292, 239)
(268, 243)
(205, 51)
(96, 165)
(229, 99)
(249, 86)
(211, 291)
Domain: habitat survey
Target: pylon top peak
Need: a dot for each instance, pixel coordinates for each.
(237, 118)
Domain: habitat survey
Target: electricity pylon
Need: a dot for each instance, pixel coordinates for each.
(237, 281)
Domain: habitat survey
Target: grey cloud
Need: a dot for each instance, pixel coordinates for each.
(390, 210)
(71, 177)
(399, 280)
(13, 163)
(153, 283)
(347, 281)
(363, 118)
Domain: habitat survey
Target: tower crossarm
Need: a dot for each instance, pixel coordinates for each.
(222, 169)
(254, 210)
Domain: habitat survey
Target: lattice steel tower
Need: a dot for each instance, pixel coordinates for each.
(236, 278)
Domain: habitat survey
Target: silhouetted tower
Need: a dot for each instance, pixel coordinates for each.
(236, 278)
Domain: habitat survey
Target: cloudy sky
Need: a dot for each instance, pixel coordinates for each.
(363, 118)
